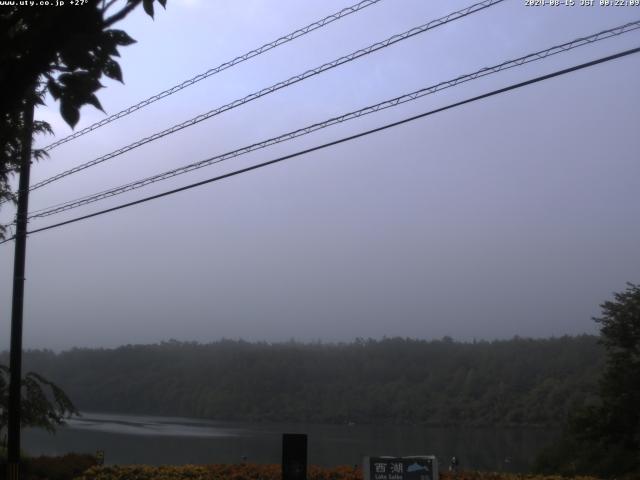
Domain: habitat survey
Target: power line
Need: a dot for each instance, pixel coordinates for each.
(542, 54)
(223, 66)
(277, 86)
(345, 139)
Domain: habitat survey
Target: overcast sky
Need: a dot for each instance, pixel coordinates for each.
(514, 215)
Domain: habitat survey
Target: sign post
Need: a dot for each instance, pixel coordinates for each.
(17, 303)
(420, 467)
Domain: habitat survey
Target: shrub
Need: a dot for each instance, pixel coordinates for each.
(66, 467)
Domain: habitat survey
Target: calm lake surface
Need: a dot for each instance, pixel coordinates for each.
(128, 439)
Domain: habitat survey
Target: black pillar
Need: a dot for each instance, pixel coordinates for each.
(294, 456)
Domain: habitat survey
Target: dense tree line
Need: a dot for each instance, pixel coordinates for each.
(603, 438)
(514, 382)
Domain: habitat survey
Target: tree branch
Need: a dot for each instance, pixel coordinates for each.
(116, 17)
(107, 6)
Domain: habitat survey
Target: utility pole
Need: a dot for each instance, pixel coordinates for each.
(15, 359)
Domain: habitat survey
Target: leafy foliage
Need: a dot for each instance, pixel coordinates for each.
(44, 404)
(270, 472)
(63, 51)
(514, 382)
(71, 48)
(620, 384)
(66, 467)
(604, 438)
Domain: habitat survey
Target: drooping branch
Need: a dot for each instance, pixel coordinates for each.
(44, 404)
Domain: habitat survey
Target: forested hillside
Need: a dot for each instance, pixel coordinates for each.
(514, 382)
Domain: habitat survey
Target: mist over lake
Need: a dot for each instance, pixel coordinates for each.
(135, 439)
(493, 405)
(386, 229)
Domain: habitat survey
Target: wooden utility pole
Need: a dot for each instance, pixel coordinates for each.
(17, 304)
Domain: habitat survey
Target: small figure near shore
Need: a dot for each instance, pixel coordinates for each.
(453, 466)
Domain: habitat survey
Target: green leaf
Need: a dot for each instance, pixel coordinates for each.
(93, 100)
(66, 79)
(76, 55)
(163, 3)
(70, 113)
(121, 37)
(54, 89)
(79, 84)
(39, 154)
(148, 7)
(112, 70)
(40, 126)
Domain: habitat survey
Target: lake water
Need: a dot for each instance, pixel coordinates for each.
(128, 439)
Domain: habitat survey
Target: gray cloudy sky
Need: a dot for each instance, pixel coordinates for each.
(515, 215)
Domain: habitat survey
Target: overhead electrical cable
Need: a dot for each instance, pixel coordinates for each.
(277, 86)
(223, 66)
(539, 55)
(344, 139)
